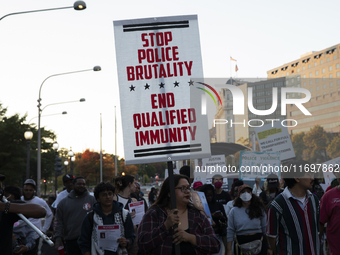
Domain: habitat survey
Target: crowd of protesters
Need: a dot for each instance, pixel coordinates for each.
(290, 217)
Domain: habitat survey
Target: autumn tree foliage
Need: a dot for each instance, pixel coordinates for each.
(88, 166)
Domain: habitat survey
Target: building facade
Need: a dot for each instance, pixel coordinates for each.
(319, 72)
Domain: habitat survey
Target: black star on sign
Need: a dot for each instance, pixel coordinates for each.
(191, 82)
(161, 85)
(147, 86)
(132, 88)
(176, 84)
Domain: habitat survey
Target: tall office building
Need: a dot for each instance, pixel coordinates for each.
(242, 126)
(319, 72)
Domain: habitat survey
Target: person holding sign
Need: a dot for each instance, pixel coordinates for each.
(125, 185)
(194, 234)
(108, 228)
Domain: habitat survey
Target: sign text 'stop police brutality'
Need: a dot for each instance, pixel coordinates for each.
(154, 60)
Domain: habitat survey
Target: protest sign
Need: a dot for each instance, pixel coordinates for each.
(156, 60)
(200, 202)
(274, 137)
(139, 209)
(329, 168)
(258, 164)
(107, 236)
(208, 167)
(166, 173)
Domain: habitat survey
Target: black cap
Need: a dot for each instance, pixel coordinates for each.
(273, 181)
(67, 177)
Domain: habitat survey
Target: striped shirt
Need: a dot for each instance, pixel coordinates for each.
(295, 226)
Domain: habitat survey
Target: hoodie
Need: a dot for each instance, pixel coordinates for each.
(84, 240)
(71, 212)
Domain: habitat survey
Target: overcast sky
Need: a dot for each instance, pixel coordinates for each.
(260, 35)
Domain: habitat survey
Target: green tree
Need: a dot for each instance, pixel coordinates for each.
(298, 144)
(13, 149)
(316, 142)
(146, 178)
(333, 149)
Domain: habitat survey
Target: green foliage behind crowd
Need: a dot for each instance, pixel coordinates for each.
(13, 155)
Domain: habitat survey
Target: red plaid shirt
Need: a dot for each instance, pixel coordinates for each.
(153, 238)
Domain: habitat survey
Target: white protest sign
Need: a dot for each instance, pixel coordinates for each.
(274, 137)
(208, 167)
(329, 168)
(107, 236)
(139, 209)
(258, 164)
(166, 173)
(157, 58)
(225, 184)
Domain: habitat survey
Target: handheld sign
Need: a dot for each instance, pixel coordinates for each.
(275, 138)
(157, 59)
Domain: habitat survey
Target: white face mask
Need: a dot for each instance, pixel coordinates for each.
(246, 197)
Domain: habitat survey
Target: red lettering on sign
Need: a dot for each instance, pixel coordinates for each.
(130, 73)
(158, 39)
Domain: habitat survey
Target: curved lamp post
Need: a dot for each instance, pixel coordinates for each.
(28, 136)
(78, 6)
(63, 113)
(96, 68)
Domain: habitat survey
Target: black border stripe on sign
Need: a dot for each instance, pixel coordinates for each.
(168, 148)
(157, 23)
(166, 152)
(156, 26)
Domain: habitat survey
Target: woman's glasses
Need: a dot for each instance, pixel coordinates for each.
(184, 189)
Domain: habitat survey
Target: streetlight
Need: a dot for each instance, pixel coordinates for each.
(66, 164)
(55, 147)
(72, 164)
(96, 68)
(63, 113)
(28, 136)
(71, 154)
(78, 6)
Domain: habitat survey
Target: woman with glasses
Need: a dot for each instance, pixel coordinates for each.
(106, 212)
(194, 234)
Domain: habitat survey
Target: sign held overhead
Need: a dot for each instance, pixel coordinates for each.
(156, 60)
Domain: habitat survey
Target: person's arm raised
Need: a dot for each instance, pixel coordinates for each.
(28, 210)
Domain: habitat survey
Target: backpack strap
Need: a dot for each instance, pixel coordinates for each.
(124, 213)
(91, 215)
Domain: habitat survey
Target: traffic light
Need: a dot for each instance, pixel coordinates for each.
(45, 186)
(58, 166)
